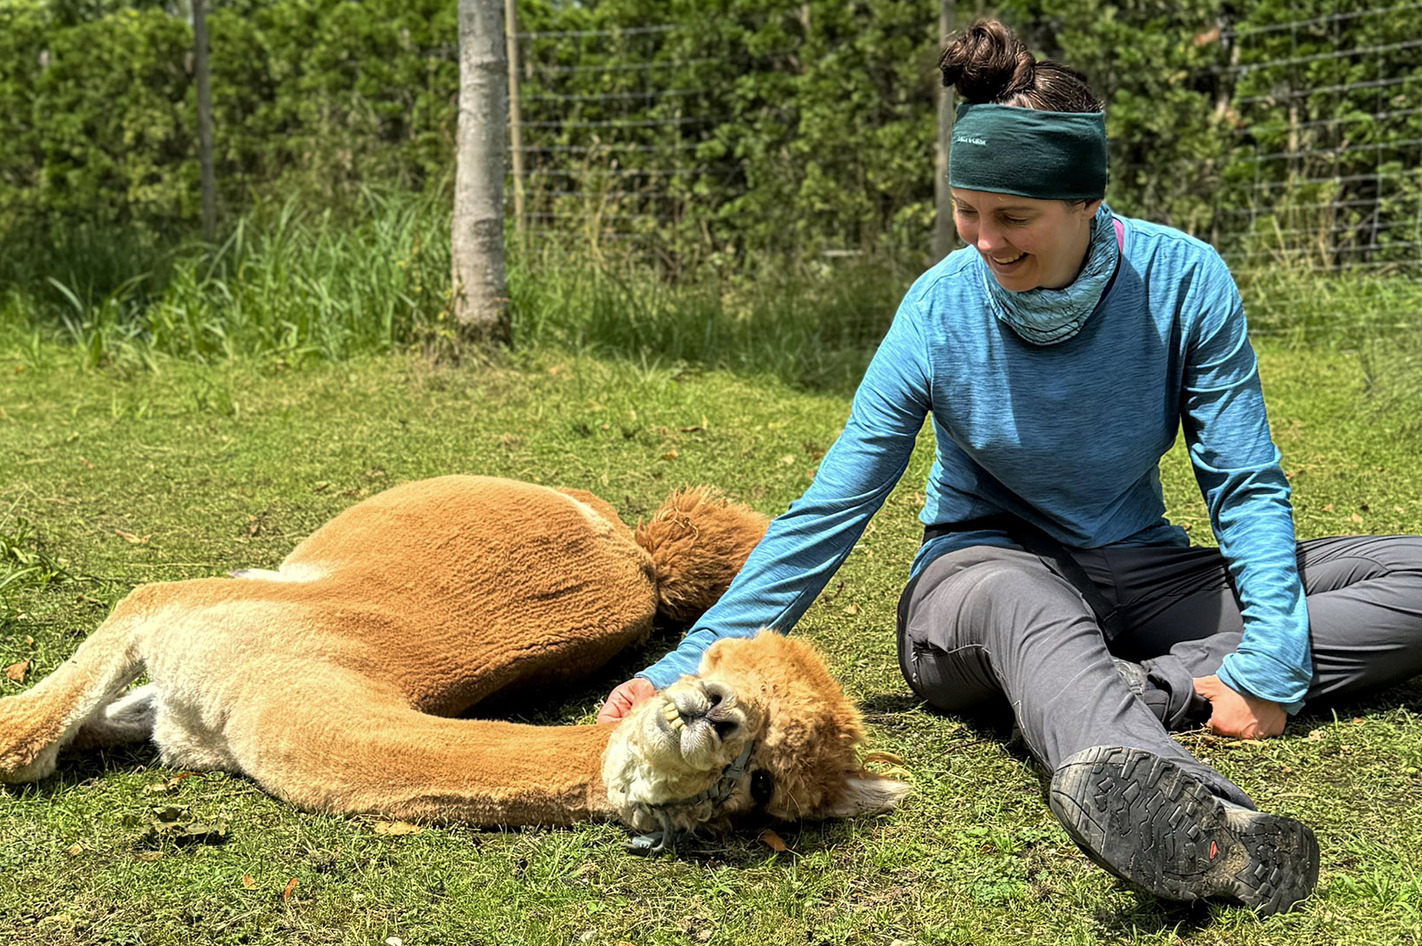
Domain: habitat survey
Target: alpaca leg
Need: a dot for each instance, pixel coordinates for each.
(36, 724)
(127, 719)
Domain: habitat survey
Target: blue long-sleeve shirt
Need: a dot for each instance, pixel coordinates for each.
(1067, 436)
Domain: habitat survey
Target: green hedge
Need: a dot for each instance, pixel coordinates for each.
(793, 126)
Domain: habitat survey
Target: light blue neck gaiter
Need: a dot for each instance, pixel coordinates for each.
(1049, 316)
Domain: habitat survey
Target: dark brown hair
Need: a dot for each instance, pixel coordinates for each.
(988, 63)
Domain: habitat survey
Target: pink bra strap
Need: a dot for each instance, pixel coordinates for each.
(1120, 232)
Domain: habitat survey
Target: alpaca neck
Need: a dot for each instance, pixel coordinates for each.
(537, 775)
(482, 772)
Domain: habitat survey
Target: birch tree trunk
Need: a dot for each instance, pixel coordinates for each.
(943, 231)
(206, 174)
(480, 295)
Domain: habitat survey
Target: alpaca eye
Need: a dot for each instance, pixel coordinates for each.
(762, 787)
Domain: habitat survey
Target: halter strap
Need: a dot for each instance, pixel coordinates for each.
(667, 836)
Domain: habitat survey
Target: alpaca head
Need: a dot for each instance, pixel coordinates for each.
(762, 729)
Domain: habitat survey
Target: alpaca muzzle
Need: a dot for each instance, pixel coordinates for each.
(668, 835)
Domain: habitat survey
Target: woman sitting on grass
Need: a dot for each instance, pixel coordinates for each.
(1057, 355)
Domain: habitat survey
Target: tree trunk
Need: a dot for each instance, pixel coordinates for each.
(207, 176)
(480, 295)
(943, 232)
(515, 138)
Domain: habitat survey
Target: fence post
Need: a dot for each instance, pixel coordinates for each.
(942, 199)
(206, 173)
(515, 129)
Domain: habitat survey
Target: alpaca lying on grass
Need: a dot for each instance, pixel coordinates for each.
(332, 681)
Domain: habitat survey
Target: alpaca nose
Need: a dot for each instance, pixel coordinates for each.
(716, 694)
(720, 709)
(713, 702)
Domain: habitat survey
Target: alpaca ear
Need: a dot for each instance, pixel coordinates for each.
(863, 796)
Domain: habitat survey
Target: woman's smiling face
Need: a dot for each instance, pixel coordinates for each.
(1026, 242)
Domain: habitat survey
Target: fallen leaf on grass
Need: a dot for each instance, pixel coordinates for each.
(164, 787)
(148, 856)
(17, 671)
(852, 609)
(87, 464)
(772, 840)
(132, 539)
(75, 850)
(167, 824)
(248, 882)
(669, 455)
(290, 889)
(396, 828)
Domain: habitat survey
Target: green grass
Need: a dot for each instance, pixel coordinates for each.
(1342, 310)
(128, 476)
(291, 286)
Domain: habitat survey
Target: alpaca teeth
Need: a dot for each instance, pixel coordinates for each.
(677, 724)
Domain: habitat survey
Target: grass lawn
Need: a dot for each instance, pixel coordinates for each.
(109, 479)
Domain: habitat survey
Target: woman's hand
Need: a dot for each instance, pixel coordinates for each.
(621, 700)
(1238, 714)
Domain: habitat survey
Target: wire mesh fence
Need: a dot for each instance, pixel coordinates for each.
(1319, 166)
(1326, 125)
(618, 164)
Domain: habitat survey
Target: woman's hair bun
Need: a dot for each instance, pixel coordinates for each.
(987, 63)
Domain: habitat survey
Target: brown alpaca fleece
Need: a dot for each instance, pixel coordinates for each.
(332, 680)
(697, 542)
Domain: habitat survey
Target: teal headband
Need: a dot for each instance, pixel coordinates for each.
(1029, 152)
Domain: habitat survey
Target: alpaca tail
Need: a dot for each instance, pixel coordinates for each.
(698, 541)
(36, 724)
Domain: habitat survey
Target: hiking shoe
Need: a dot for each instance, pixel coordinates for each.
(1145, 820)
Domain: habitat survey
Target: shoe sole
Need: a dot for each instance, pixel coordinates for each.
(1145, 820)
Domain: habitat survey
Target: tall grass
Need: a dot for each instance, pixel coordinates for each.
(291, 284)
(1347, 309)
(816, 328)
(285, 284)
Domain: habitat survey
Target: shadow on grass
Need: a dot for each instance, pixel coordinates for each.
(1149, 916)
(1406, 696)
(77, 766)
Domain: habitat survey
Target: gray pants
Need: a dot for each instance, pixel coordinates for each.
(984, 622)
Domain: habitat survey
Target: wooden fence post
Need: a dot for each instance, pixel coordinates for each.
(943, 200)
